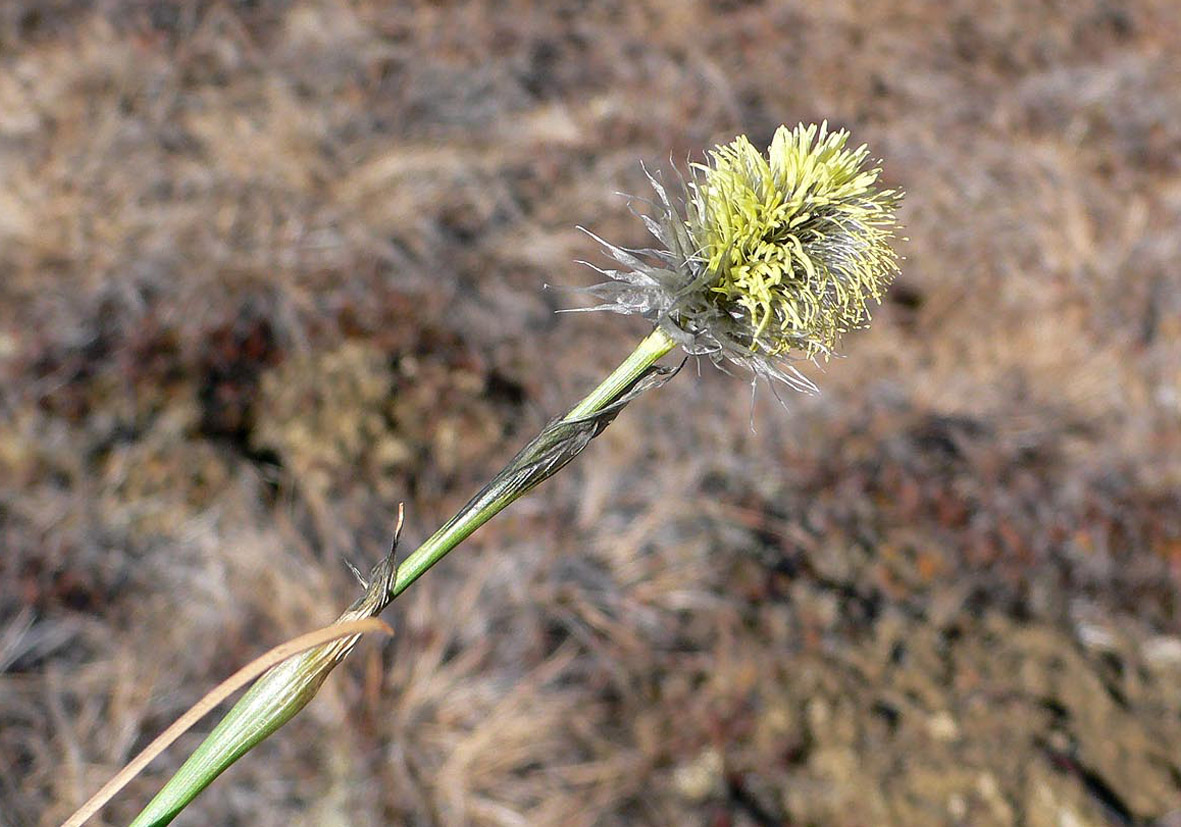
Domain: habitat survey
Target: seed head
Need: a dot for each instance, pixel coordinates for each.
(764, 259)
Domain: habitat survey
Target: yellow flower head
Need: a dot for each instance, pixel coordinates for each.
(774, 256)
(799, 239)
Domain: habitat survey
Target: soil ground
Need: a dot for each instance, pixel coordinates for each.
(269, 268)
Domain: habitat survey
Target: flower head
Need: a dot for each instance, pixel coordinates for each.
(765, 258)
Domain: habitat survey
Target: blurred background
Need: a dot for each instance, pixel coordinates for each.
(269, 267)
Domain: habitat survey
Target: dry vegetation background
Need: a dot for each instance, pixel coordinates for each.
(268, 268)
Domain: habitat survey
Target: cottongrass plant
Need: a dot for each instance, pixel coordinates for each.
(764, 260)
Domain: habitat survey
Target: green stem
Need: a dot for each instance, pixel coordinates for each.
(282, 692)
(477, 512)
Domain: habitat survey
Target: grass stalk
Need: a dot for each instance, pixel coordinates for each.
(488, 503)
(287, 688)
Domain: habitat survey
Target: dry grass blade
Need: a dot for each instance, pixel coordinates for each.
(218, 694)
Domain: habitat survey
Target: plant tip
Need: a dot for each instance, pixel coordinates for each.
(765, 258)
